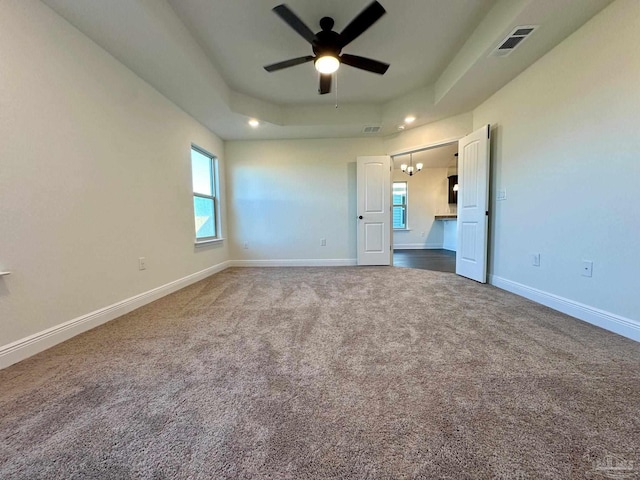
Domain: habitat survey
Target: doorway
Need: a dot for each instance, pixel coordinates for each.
(424, 208)
(471, 213)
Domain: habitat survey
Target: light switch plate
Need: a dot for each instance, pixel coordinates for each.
(535, 259)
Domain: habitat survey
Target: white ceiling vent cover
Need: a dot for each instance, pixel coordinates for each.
(513, 40)
(371, 129)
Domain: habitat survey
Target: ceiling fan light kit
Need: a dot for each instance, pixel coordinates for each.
(327, 64)
(327, 45)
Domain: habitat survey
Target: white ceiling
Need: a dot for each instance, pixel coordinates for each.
(207, 57)
(243, 35)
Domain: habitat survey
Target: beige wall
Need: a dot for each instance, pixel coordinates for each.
(95, 172)
(286, 195)
(566, 138)
(428, 197)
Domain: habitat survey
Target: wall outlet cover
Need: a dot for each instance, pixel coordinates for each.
(587, 268)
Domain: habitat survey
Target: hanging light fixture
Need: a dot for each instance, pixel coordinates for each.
(408, 169)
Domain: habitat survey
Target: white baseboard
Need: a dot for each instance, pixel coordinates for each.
(609, 321)
(315, 262)
(417, 246)
(38, 342)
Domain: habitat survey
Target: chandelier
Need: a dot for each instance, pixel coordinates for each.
(408, 169)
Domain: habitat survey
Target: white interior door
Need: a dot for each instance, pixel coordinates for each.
(374, 210)
(473, 205)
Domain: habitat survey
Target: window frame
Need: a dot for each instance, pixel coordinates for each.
(404, 205)
(215, 189)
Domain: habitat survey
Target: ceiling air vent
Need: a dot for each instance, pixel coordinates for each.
(513, 40)
(371, 129)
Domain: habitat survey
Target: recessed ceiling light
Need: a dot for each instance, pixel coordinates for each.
(254, 123)
(410, 119)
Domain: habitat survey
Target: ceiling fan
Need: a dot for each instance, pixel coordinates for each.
(327, 45)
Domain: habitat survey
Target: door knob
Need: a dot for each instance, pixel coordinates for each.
(360, 217)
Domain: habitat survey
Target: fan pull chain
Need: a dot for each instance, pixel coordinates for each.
(336, 82)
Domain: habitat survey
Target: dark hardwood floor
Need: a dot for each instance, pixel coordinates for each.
(440, 260)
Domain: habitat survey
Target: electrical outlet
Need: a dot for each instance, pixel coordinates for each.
(142, 263)
(323, 242)
(422, 234)
(587, 268)
(535, 259)
(502, 194)
(245, 245)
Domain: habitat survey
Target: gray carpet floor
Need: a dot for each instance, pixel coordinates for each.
(328, 373)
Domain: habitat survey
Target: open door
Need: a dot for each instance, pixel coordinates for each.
(473, 205)
(374, 210)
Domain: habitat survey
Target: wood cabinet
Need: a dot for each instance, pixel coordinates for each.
(453, 194)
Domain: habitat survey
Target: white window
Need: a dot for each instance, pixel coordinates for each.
(399, 205)
(205, 201)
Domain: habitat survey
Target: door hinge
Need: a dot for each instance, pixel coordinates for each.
(487, 213)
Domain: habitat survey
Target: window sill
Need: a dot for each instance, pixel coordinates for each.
(199, 243)
(401, 229)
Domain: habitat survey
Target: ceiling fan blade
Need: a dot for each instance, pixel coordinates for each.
(325, 83)
(288, 63)
(291, 19)
(364, 20)
(364, 63)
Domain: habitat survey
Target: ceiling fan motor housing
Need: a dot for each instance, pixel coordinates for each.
(327, 42)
